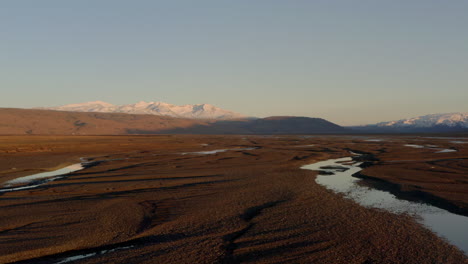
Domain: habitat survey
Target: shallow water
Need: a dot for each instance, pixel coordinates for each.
(452, 227)
(38, 179)
(414, 146)
(446, 150)
(42, 175)
(434, 147)
(447, 137)
(210, 152)
(92, 254)
(77, 257)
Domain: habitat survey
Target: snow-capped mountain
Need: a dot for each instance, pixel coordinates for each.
(447, 120)
(435, 123)
(196, 111)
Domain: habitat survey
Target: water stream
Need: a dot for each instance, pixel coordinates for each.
(215, 151)
(451, 227)
(434, 147)
(38, 179)
(89, 255)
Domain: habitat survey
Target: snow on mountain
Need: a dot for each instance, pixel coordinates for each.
(197, 111)
(434, 120)
(97, 106)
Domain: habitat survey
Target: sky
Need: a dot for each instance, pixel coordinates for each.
(350, 62)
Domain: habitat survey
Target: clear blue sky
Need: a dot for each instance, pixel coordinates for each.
(351, 62)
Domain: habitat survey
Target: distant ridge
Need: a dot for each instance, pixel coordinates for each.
(194, 111)
(448, 122)
(263, 126)
(15, 121)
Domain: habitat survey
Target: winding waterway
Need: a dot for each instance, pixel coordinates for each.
(451, 227)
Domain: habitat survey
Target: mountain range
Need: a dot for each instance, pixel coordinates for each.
(449, 122)
(100, 118)
(194, 111)
(14, 121)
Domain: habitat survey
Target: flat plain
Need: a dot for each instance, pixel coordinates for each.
(224, 199)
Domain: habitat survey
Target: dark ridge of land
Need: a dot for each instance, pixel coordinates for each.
(152, 204)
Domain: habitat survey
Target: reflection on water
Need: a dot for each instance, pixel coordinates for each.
(38, 179)
(210, 152)
(440, 150)
(446, 150)
(452, 227)
(75, 258)
(30, 178)
(92, 254)
(414, 146)
(459, 142)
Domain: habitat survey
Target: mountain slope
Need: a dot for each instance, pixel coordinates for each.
(262, 126)
(293, 125)
(34, 121)
(46, 122)
(197, 111)
(449, 122)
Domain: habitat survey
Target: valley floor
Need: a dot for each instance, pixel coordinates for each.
(173, 199)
